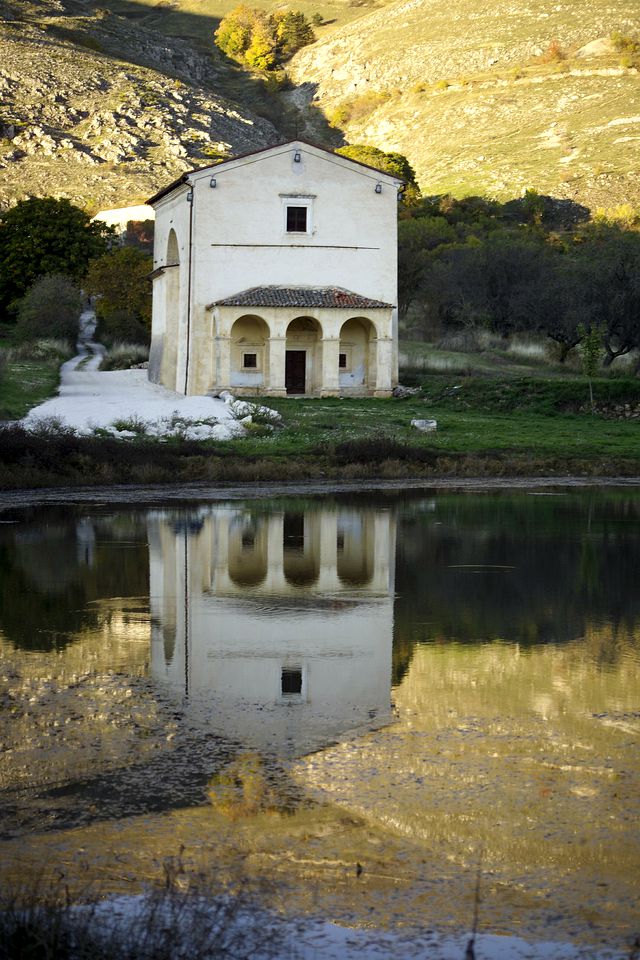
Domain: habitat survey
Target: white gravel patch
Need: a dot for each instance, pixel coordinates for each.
(126, 404)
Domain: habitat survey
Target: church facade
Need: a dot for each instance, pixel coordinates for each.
(275, 273)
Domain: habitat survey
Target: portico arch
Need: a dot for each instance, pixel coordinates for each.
(249, 352)
(303, 373)
(248, 561)
(357, 355)
(169, 362)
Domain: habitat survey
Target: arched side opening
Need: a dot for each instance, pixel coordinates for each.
(249, 352)
(303, 373)
(357, 356)
(171, 279)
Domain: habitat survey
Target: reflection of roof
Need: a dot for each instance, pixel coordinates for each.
(333, 297)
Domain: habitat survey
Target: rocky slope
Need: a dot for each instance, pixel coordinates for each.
(490, 99)
(104, 104)
(83, 114)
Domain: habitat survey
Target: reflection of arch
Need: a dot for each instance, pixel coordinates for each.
(355, 550)
(357, 361)
(248, 559)
(302, 360)
(172, 313)
(249, 353)
(301, 550)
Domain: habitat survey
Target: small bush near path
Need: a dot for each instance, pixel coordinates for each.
(124, 356)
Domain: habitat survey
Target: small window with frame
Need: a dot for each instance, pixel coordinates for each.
(250, 361)
(297, 219)
(342, 361)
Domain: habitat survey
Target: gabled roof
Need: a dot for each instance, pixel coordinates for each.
(254, 153)
(332, 297)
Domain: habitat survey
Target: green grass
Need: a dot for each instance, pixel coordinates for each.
(25, 382)
(534, 426)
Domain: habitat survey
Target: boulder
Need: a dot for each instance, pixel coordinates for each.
(425, 426)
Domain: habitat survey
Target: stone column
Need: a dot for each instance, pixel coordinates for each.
(275, 554)
(330, 386)
(275, 387)
(328, 580)
(384, 359)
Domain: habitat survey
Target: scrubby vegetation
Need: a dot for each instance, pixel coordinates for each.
(50, 308)
(263, 41)
(43, 236)
(533, 265)
(119, 282)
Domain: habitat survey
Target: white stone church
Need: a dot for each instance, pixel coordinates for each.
(276, 273)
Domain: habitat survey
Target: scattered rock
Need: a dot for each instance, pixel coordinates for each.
(425, 426)
(401, 392)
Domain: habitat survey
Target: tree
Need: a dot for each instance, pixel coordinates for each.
(50, 309)
(43, 236)
(396, 164)
(119, 280)
(590, 350)
(293, 31)
(417, 240)
(263, 41)
(612, 261)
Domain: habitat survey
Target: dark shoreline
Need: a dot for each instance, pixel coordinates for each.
(141, 494)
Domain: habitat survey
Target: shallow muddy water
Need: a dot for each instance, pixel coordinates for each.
(359, 700)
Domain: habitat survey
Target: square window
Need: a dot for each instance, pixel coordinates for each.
(296, 219)
(291, 682)
(342, 361)
(250, 361)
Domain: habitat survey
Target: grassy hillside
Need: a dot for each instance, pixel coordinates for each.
(104, 100)
(490, 99)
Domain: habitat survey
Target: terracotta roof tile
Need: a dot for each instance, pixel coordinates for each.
(333, 297)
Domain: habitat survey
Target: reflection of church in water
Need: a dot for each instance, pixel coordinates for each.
(274, 627)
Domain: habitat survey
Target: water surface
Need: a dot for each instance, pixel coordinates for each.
(292, 688)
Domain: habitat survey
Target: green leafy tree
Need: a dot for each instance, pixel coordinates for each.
(50, 309)
(395, 164)
(43, 236)
(293, 31)
(119, 281)
(418, 239)
(611, 257)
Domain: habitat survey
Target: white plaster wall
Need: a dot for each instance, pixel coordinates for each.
(240, 241)
(171, 213)
(230, 650)
(354, 239)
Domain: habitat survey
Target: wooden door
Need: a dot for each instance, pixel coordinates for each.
(295, 371)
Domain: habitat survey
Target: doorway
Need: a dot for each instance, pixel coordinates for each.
(295, 371)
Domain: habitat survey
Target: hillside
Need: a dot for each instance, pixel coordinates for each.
(489, 99)
(104, 111)
(105, 100)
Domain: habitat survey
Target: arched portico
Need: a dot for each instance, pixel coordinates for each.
(249, 354)
(357, 356)
(303, 356)
(339, 344)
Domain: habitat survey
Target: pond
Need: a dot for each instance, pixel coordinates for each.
(394, 711)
